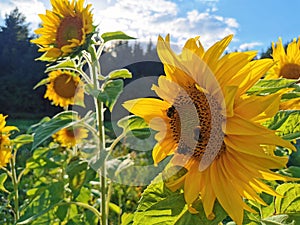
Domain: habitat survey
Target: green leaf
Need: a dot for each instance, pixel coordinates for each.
(41, 83)
(61, 212)
(109, 93)
(127, 219)
(122, 73)
(117, 35)
(47, 129)
(270, 86)
(21, 140)
(62, 65)
(135, 124)
(76, 171)
(277, 220)
(159, 205)
(291, 171)
(286, 123)
(3, 178)
(290, 203)
(115, 208)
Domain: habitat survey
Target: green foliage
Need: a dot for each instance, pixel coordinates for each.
(123, 73)
(286, 123)
(263, 87)
(117, 35)
(3, 178)
(159, 205)
(46, 129)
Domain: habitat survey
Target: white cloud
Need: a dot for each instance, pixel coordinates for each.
(30, 8)
(144, 19)
(250, 45)
(147, 19)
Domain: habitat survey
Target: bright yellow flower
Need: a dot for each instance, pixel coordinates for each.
(64, 88)
(5, 145)
(287, 66)
(212, 127)
(70, 136)
(287, 62)
(64, 29)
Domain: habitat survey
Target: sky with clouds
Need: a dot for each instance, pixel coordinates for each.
(254, 23)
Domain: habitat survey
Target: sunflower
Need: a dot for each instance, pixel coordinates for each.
(70, 136)
(65, 88)
(287, 62)
(64, 29)
(287, 66)
(5, 145)
(211, 127)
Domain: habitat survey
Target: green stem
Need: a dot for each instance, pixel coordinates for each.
(16, 187)
(96, 70)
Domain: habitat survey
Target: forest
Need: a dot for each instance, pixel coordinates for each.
(20, 72)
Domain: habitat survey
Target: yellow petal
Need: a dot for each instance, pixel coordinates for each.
(147, 108)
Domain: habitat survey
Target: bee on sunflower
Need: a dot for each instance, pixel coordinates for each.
(212, 129)
(64, 88)
(66, 30)
(5, 144)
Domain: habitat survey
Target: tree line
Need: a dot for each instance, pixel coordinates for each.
(20, 72)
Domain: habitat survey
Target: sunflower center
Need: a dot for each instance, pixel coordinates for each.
(290, 71)
(65, 86)
(70, 133)
(196, 123)
(69, 28)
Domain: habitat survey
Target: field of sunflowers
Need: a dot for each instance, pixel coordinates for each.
(217, 143)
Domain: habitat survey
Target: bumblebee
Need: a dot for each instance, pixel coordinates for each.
(171, 111)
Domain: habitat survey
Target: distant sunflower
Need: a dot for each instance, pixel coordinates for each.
(287, 66)
(70, 136)
(5, 144)
(64, 29)
(287, 62)
(64, 88)
(212, 127)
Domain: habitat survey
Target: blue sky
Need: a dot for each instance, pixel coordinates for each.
(254, 23)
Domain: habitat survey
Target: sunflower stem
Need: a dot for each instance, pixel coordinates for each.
(96, 70)
(15, 186)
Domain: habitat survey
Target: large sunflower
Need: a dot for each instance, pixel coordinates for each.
(212, 127)
(5, 145)
(287, 62)
(64, 88)
(70, 136)
(64, 29)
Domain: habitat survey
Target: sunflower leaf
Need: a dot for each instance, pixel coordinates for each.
(278, 220)
(21, 140)
(41, 83)
(117, 35)
(133, 123)
(3, 178)
(159, 205)
(111, 92)
(290, 203)
(47, 129)
(62, 65)
(270, 86)
(122, 73)
(286, 123)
